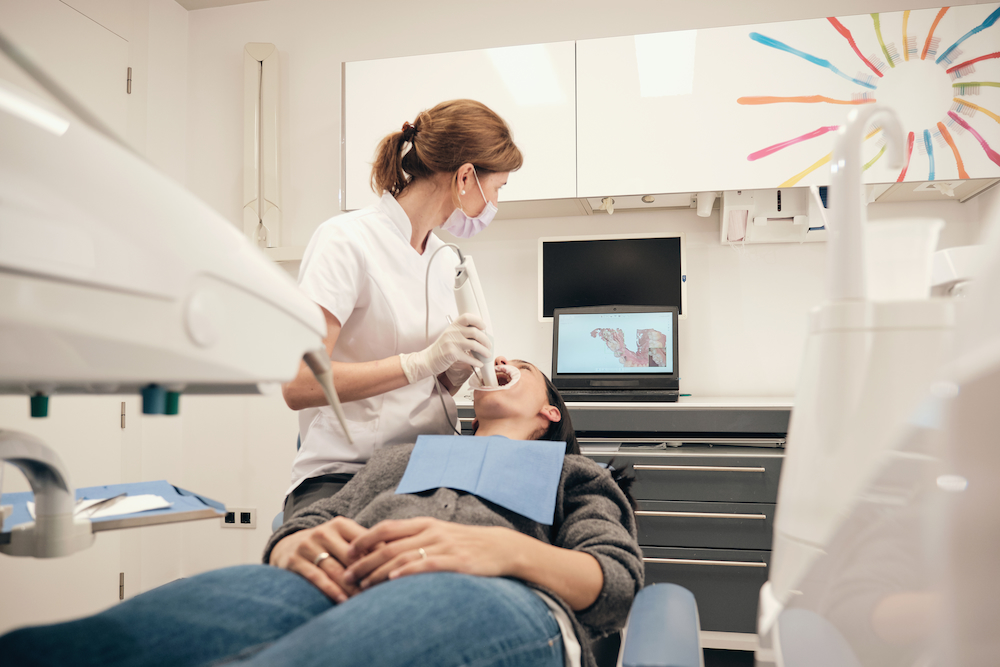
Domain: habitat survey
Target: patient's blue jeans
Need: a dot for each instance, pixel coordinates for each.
(261, 615)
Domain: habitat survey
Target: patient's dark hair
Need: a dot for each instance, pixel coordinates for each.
(562, 431)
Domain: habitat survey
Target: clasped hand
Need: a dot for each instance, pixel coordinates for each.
(391, 549)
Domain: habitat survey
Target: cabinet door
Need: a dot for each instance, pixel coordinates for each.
(758, 106)
(87, 59)
(86, 433)
(725, 582)
(531, 87)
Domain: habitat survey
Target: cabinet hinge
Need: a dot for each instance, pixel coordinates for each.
(128, 83)
(121, 585)
(123, 414)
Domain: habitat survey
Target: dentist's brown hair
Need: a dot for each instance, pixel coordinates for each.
(441, 140)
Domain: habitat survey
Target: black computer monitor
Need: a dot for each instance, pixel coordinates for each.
(615, 347)
(636, 270)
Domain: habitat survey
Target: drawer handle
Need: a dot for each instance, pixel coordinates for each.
(690, 561)
(702, 515)
(466, 420)
(643, 466)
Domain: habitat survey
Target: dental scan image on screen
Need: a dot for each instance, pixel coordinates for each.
(615, 343)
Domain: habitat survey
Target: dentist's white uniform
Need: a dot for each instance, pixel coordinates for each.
(360, 267)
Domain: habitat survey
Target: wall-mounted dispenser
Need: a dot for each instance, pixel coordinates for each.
(261, 195)
(706, 200)
(785, 215)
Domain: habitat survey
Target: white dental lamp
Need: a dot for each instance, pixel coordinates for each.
(866, 366)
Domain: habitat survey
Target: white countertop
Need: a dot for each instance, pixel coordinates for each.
(684, 402)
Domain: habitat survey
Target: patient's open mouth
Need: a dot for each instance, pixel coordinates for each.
(507, 377)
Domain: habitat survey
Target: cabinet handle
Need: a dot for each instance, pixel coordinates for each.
(691, 561)
(643, 466)
(466, 420)
(702, 515)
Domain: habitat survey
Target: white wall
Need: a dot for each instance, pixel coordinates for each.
(989, 211)
(745, 314)
(746, 307)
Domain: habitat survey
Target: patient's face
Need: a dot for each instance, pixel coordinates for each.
(524, 399)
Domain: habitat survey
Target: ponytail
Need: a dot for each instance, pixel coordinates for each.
(441, 140)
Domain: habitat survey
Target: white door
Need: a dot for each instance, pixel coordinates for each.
(88, 56)
(86, 433)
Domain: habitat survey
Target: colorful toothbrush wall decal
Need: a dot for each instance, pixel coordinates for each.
(888, 70)
(854, 45)
(951, 53)
(773, 43)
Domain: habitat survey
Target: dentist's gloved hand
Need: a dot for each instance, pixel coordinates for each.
(458, 373)
(463, 338)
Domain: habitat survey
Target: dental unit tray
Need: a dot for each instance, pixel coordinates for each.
(57, 529)
(184, 506)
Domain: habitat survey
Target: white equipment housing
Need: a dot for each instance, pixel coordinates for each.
(886, 527)
(782, 215)
(114, 278)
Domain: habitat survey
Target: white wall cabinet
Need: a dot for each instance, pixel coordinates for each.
(86, 58)
(756, 107)
(531, 87)
(730, 108)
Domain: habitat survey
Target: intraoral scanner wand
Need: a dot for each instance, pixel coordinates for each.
(319, 363)
(469, 299)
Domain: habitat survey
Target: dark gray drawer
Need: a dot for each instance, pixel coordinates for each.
(705, 525)
(726, 583)
(710, 478)
(679, 418)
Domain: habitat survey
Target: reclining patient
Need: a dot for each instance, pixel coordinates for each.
(376, 577)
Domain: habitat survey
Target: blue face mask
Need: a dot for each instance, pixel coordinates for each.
(465, 226)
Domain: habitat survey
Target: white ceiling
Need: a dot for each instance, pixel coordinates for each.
(205, 4)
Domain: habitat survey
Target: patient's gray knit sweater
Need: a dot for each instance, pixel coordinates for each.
(592, 515)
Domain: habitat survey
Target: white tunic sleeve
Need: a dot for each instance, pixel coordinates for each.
(333, 269)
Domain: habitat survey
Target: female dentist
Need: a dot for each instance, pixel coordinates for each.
(367, 270)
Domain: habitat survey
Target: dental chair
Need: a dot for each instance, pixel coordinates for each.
(662, 629)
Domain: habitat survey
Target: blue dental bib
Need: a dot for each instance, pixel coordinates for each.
(519, 475)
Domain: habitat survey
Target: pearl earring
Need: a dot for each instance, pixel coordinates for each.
(463, 192)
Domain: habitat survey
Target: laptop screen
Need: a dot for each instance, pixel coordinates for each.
(615, 342)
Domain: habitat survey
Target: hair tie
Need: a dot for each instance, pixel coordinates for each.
(408, 131)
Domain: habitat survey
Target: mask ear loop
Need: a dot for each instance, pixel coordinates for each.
(461, 192)
(486, 202)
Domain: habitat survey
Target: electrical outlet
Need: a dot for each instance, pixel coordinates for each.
(240, 517)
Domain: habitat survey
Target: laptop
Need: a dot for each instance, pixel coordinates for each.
(615, 353)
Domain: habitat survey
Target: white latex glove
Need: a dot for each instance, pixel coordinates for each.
(458, 373)
(462, 338)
